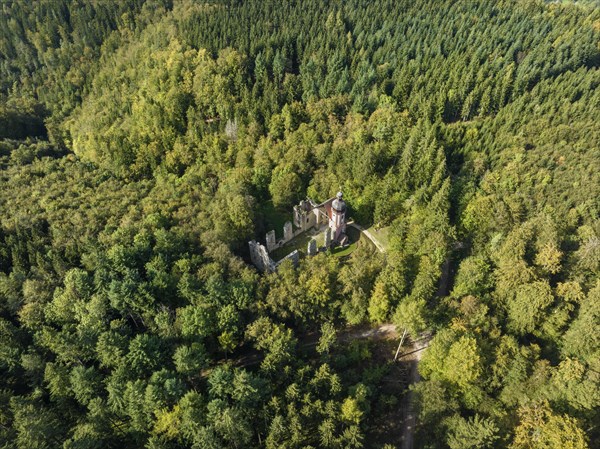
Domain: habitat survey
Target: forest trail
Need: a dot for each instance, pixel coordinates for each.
(382, 331)
(411, 357)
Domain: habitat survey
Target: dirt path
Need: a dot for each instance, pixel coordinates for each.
(383, 331)
(411, 356)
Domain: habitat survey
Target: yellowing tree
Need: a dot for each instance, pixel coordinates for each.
(541, 429)
(379, 304)
(527, 310)
(351, 411)
(549, 258)
(463, 363)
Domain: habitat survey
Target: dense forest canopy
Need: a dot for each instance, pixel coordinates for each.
(141, 142)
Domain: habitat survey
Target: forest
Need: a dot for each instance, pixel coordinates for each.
(141, 142)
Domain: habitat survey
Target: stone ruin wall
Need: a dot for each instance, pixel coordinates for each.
(259, 255)
(288, 231)
(271, 241)
(294, 256)
(307, 215)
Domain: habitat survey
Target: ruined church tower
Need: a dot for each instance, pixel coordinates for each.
(337, 222)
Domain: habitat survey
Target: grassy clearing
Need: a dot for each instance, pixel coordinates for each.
(356, 239)
(301, 244)
(382, 235)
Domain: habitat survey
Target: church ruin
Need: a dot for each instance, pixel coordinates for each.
(329, 216)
